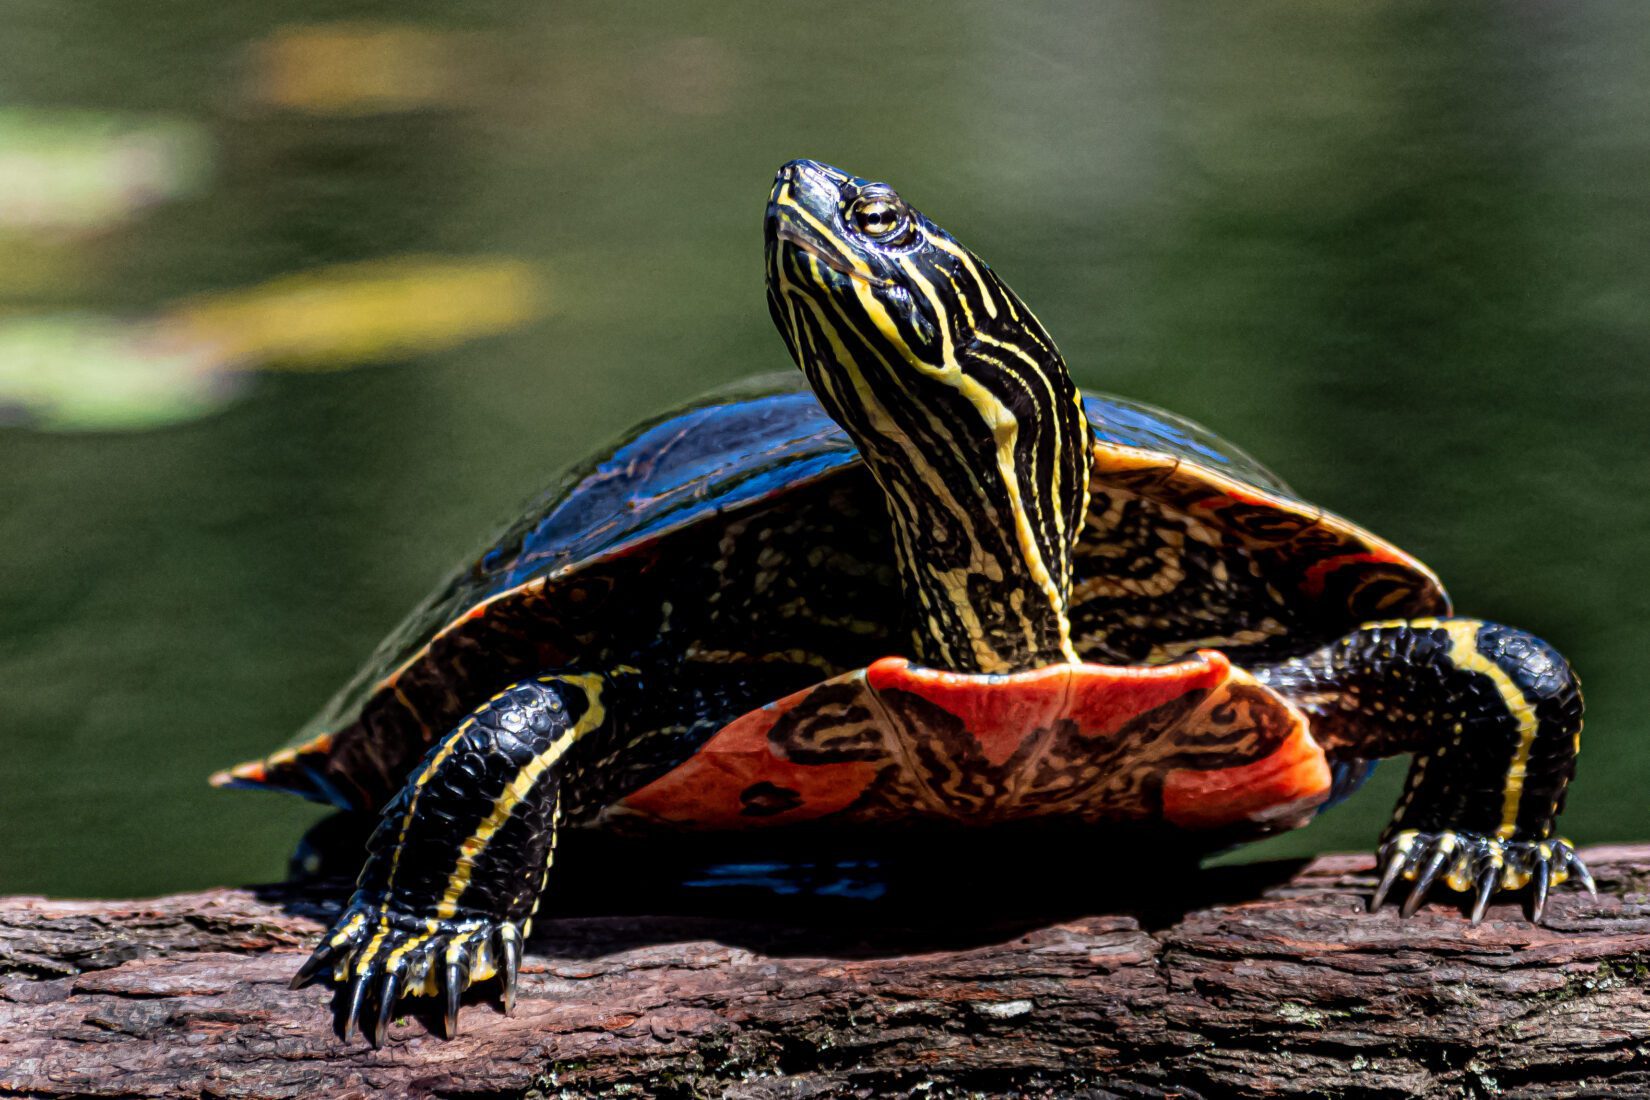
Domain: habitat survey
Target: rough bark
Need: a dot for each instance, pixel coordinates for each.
(1268, 983)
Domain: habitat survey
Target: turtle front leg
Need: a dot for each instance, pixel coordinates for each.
(456, 864)
(1493, 716)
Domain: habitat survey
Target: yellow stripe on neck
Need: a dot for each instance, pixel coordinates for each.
(1005, 429)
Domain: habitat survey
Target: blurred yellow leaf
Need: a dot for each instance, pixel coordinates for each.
(363, 68)
(355, 313)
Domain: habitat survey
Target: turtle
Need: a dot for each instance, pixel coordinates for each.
(923, 583)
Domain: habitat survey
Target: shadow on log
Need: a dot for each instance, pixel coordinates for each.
(1295, 991)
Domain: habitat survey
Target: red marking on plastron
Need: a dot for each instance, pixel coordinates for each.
(1000, 711)
(1296, 774)
(704, 791)
(1105, 698)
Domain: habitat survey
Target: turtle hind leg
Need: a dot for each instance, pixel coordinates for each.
(1493, 716)
(458, 859)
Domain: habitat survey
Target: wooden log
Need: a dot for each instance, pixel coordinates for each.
(1282, 990)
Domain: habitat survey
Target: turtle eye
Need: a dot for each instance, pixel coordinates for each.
(881, 218)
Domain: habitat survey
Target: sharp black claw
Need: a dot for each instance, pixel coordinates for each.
(352, 1006)
(1478, 863)
(1579, 870)
(511, 969)
(1539, 880)
(388, 991)
(1393, 867)
(1487, 880)
(1423, 883)
(313, 966)
(391, 954)
(453, 987)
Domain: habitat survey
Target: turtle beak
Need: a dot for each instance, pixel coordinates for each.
(802, 214)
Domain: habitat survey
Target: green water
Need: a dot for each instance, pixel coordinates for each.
(1401, 252)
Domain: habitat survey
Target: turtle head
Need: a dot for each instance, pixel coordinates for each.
(959, 401)
(836, 238)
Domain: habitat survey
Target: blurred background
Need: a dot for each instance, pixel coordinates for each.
(299, 299)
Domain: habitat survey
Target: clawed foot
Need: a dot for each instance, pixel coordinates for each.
(383, 955)
(1479, 865)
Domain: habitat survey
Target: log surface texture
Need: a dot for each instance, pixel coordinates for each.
(1274, 983)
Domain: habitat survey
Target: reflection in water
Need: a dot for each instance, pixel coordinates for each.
(64, 173)
(86, 170)
(73, 371)
(361, 313)
(687, 75)
(82, 371)
(41, 265)
(366, 68)
(1394, 252)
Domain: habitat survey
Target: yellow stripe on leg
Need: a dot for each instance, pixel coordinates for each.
(520, 786)
(1463, 652)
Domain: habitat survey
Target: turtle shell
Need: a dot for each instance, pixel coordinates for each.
(744, 535)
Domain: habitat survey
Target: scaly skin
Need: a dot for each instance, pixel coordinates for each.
(455, 868)
(1493, 716)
